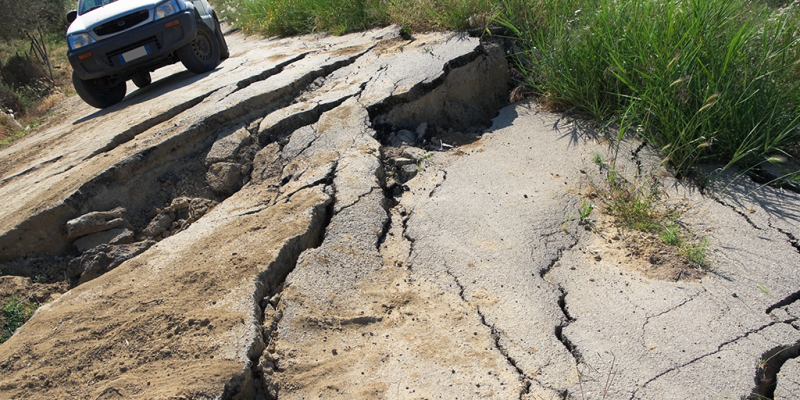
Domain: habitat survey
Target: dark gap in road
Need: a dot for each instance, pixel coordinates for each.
(766, 379)
(147, 124)
(762, 176)
(269, 72)
(785, 302)
(567, 343)
(526, 383)
(793, 240)
(563, 304)
(749, 221)
(143, 126)
(268, 310)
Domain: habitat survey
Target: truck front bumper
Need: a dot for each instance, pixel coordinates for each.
(134, 50)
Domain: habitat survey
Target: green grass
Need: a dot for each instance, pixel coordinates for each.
(15, 312)
(636, 203)
(701, 79)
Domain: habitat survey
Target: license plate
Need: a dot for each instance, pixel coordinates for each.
(134, 54)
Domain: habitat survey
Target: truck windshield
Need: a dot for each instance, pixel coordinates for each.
(89, 5)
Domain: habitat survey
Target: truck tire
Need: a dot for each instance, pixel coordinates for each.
(224, 53)
(142, 80)
(99, 93)
(202, 54)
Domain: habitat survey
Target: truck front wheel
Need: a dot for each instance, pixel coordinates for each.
(202, 54)
(100, 93)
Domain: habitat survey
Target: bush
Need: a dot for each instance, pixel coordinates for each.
(20, 71)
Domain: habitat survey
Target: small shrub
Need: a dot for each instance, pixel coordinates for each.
(20, 71)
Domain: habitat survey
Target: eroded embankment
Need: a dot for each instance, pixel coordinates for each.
(224, 197)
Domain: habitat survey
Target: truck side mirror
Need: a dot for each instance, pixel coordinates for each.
(72, 16)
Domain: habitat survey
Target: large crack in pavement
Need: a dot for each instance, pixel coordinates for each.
(324, 181)
(363, 235)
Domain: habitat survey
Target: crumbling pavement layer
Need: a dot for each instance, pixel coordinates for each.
(322, 274)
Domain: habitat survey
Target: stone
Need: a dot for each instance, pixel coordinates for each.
(228, 145)
(406, 136)
(224, 178)
(266, 164)
(180, 203)
(95, 222)
(113, 236)
(104, 258)
(413, 153)
(201, 206)
(421, 130)
(408, 172)
(158, 225)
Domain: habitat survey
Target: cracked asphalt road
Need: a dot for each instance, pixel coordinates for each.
(325, 272)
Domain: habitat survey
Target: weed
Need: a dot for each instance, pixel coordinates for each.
(635, 203)
(696, 254)
(597, 159)
(426, 155)
(584, 211)
(670, 234)
(15, 312)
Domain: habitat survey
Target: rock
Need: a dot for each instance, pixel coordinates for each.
(95, 222)
(413, 153)
(158, 225)
(201, 206)
(421, 130)
(408, 172)
(406, 136)
(113, 236)
(224, 178)
(227, 145)
(104, 258)
(267, 164)
(180, 203)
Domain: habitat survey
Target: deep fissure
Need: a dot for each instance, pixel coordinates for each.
(768, 368)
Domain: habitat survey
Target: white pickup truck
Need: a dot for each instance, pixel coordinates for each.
(113, 41)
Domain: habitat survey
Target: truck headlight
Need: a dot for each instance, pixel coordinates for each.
(78, 40)
(166, 9)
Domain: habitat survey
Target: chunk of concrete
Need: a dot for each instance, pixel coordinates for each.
(408, 172)
(228, 145)
(267, 164)
(158, 225)
(104, 258)
(113, 236)
(95, 222)
(224, 178)
(788, 385)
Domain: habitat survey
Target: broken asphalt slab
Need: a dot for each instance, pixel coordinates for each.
(324, 273)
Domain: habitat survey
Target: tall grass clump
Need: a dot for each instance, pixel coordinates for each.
(701, 79)
(291, 17)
